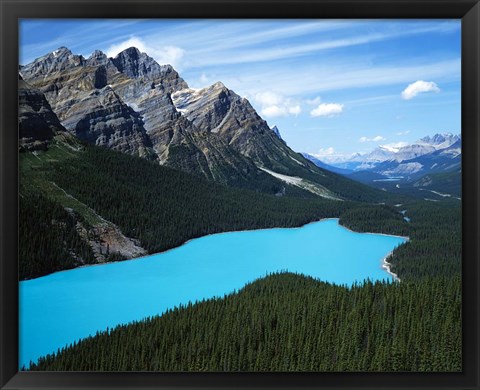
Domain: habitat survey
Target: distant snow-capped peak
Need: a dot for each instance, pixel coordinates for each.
(439, 141)
(447, 143)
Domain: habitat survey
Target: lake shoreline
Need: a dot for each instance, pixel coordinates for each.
(66, 307)
(231, 231)
(387, 267)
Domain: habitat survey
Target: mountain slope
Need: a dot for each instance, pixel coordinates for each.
(111, 206)
(441, 160)
(132, 104)
(124, 104)
(220, 111)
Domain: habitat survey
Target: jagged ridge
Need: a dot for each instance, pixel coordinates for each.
(132, 104)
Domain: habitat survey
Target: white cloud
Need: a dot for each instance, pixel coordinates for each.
(269, 98)
(394, 146)
(322, 153)
(163, 54)
(378, 138)
(330, 155)
(417, 87)
(403, 132)
(327, 109)
(274, 104)
(169, 55)
(113, 50)
(273, 111)
(295, 110)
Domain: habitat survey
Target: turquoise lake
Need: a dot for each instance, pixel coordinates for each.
(64, 307)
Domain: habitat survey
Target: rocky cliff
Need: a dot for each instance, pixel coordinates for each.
(133, 104)
(38, 124)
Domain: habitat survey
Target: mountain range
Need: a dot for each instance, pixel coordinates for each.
(432, 161)
(132, 104)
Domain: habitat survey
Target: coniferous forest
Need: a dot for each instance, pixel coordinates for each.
(288, 322)
(159, 206)
(283, 322)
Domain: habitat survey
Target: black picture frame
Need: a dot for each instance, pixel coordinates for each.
(12, 10)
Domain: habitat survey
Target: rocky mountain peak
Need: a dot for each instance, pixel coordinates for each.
(55, 61)
(218, 85)
(97, 58)
(206, 107)
(276, 131)
(62, 50)
(135, 64)
(440, 140)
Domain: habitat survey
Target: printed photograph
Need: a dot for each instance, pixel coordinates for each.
(240, 195)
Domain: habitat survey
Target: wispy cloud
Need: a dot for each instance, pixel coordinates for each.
(80, 38)
(320, 79)
(226, 51)
(372, 100)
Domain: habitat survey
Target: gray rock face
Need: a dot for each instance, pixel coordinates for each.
(38, 124)
(221, 111)
(135, 65)
(97, 58)
(169, 80)
(56, 61)
(103, 119)
(206, 108)
(88, 107)
(132, 104)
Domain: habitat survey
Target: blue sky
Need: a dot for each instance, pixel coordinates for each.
(332, 87)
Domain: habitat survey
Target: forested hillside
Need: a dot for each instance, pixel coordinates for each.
(291, 322)
(283, 322)
(288, 322)
(158, 206)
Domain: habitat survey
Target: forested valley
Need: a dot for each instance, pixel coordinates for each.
(283, 322)
(159, 206)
